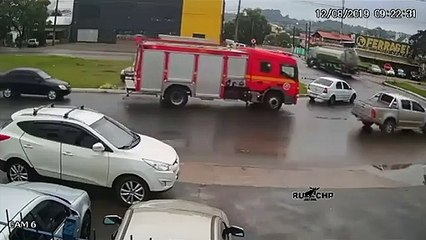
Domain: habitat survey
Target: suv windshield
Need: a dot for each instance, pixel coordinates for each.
(117, 134)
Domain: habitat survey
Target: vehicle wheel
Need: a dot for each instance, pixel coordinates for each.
(388, 127)
(273, 101)
(311, 99)
(18, 170)
(332, 100)
(130, 190)
(352, 100)
(9, 93)
(52, 95)
(176, 97)
(86, 226)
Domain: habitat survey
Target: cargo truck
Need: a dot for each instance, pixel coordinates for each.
(341, 61)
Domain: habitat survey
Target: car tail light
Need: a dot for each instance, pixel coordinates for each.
(325, 90)
(373, 113)
(4, 137)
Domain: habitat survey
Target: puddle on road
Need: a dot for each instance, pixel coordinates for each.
(407, 174)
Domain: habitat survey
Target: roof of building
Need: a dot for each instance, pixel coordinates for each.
(334, 36)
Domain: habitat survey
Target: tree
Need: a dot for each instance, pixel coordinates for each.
(418, 46)
(252, 24)
(280, 40)
(26, 17)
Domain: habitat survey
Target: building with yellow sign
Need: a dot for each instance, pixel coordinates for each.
(103, 20)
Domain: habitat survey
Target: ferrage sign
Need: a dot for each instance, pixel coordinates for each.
(383, 46)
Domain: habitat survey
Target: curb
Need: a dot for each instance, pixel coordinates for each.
(96, 90)
(403, 90)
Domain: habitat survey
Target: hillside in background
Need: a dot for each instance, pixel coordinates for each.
(275, 16)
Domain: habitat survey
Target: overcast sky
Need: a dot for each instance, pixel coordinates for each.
(306, 10)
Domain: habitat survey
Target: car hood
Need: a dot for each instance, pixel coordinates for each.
(57, 81)
(152, 149)
(69, 194)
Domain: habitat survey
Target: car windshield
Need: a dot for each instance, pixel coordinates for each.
(117, 134)
(324, 82)
(44, 75)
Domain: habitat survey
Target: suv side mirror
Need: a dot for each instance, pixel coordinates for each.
(112, 220)
(98, 147)
(234, 231)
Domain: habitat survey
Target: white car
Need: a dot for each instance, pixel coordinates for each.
(375, 69)
(38, 210)
(81, 145)
(331, 90)
(33, 42)
(390, 72)
(173, 219)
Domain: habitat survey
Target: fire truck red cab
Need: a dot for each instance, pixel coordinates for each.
(175, 70)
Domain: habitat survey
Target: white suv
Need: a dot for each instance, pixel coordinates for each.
(81, 145)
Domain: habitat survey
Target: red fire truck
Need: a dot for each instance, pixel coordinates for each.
(179, 69)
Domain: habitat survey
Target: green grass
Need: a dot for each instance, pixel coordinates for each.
(303, 89)
(408, 86)
(81, 73)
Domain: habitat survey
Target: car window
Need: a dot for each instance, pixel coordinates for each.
(339, 85)
(265, 67)
(288, 71)
(48, 217)
(117, 134)
(43, 75)
(78, 137)
(346, 86)
(46, 130)
(417, 107)
(406, 105)
(324, 82)
(386, 98)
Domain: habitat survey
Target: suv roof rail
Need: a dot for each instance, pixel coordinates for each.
(35, 111)
(73, 109)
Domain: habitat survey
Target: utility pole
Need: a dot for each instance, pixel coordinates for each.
(309, 36)
(54, 23)
(294, 33)
(306, 40)
(237, 18)
(341, 20)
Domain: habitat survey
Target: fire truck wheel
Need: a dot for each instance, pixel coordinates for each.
(273, 101)
(176, 97)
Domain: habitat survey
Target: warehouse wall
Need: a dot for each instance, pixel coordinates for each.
(110, 17)
(203, 17)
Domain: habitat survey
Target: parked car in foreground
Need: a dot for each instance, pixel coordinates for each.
(82, 145)
(44, 209)
(173, 219)
(33, 43)
(32, 81)
(391, 111)
(375, 69)
(331, 90)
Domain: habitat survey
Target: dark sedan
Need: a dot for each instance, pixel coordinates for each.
(32, 81)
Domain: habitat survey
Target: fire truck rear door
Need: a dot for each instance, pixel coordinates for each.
(152, 70)
(210, 69)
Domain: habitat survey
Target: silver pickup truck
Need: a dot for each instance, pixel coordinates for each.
(391, 111)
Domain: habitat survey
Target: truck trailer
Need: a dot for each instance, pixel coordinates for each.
(179, 70)
(342, 61)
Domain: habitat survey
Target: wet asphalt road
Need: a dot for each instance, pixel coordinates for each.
(305, 136)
